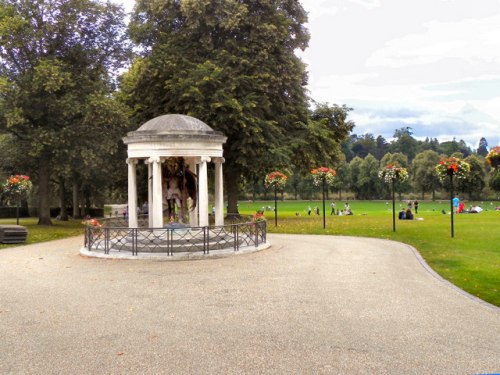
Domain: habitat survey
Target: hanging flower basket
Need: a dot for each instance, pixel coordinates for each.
(452, 167)
(17, 186)
(493, 157)
(393, 172)
(275, 179)
(323, 174)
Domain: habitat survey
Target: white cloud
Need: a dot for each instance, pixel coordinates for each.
(475, 40)
(368, 4)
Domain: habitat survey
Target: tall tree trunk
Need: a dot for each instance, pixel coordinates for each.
(87, 203)
(340, 194)
(76, 201)
(44, 193)
(62, 201)
(232, 188)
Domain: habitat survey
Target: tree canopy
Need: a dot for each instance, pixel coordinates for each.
(230, 64)
(56, 64)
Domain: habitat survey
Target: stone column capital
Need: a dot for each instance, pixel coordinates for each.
(132, 161)
(154, 159)
(218, 160)
(205, 159)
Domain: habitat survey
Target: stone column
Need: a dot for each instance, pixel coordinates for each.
(132, 193)
(157, 193)
(193, 213)
(203, 191)
(219, 191)
(150, 193)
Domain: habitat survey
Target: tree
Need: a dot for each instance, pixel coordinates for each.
(382, 147)
(341, 179)
(230, 64)
(482, 149)
(404, 143)
(319, 143)
(354, 174)
(494, 182)
(56, 58)
(364, 145)
(475, 182)
(425, 179)
(370, 185)
(451, 147)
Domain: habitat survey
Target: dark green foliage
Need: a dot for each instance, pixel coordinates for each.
(230, 64)
(424, 177)
(474, 184)
(55, 85)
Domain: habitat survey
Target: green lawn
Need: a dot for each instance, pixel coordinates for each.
(470, 260)
(38, 233)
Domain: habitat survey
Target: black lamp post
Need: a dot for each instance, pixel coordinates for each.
(393, 207)
(450, 173)
(275, 205)
(324, 213)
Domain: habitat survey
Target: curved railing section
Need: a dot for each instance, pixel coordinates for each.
(112, 235)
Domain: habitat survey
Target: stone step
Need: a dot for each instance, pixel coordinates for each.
(13, 234)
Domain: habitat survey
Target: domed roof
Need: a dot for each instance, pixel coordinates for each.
(175, 123)
(173, 134)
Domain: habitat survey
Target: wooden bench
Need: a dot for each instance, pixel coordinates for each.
(13, 233)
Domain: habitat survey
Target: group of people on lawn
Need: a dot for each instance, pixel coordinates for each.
(459, 207)
(407, 214)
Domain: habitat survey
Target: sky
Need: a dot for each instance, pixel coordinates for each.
(432, 65)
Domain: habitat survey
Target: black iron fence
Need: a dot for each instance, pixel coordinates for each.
(113, 235)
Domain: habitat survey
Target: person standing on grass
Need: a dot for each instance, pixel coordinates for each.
(332, 206)
(309, 209)
(415, 205)
(456, 202)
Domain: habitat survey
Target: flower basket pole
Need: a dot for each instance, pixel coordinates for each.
(323, 176)
(450, 173)
(275, 205)
(277, 180)
(18, 203)
(393, 206)
(389, 174)
(17, 187)
(447, 168)
(324, 211)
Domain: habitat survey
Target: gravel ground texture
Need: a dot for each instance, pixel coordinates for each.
(307, 305)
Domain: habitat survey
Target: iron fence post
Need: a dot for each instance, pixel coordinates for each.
(106, 240)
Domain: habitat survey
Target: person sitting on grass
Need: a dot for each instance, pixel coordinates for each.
(402, 214)
(408, 214)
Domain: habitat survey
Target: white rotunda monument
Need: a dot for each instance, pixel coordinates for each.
(175, 140)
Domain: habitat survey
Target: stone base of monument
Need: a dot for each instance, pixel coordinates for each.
(181, 242)
(13, 234)
(113, 239)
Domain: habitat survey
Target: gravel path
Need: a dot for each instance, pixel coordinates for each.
(307, 305)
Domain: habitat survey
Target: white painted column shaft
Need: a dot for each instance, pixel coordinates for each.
(150, 194)
(203, 192)
(193, 213)
(219, 192)
(157, 194)
(132, 193)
